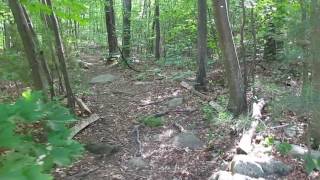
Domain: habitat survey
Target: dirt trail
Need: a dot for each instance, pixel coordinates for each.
(121, 104)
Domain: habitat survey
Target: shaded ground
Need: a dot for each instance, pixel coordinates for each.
(121, 104)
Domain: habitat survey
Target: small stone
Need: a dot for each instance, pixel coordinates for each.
(117, 177)
(246, 166)
(290, 131)
(187, 140)
(137, 163)
(259, 167)
(103, 79)
(224, 175)
(175, 102)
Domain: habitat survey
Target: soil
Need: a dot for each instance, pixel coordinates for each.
(121, 104)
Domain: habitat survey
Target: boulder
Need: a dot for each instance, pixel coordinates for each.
(175, 102)
(258, 166)
(224, 175)
(104, 79)
(137, 163)
(187, 140)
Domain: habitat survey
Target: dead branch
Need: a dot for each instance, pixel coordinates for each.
(82, 105)
(245, 146)
(257, 108)
(197, 93)
(82, 124)
(179, 127)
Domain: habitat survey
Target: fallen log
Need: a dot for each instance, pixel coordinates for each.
(82, 124)
(82, 105)
(195, 92)
(245, 144)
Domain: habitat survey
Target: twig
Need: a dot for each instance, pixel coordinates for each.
(280, 126)
(179, 127)
(83, 174)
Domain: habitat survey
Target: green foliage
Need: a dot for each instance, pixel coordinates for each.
(311, 163)
(152, 121)
(268, 141)
(34, 137)
(283, 148)
(13, 67)
(207, 112)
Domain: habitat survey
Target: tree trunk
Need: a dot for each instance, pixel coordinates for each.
(111, 27)
(243, 48)
(202, 45)
(157, 28)
(315, 54)
(61, 55)
(43, 62)
(126, 33)
(237, 102)
(28, 42)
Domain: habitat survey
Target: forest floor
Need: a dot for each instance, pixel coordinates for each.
(123, 103)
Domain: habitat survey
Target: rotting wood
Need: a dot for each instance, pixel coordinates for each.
(257, 108)
(245, 145)
(82, 105)
(197, 93)
(82, 124)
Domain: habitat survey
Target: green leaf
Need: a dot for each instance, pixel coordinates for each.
(309, 164)
(284, 148)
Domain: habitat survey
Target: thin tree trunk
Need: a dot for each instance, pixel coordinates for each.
(254, 53)
(126, 33)
(315, 54)
(242, 46)
(237, 101)
(61, 56)
(157, 28)
(28, 42)
(306, 68)
(43, 61)
(111, 27)
(202, 45)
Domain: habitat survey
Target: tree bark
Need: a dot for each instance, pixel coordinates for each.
(315, 54)
(237, 101)
(242, 46)
(126, 33)
(157, 28)
(61, 55)
(202, 45)
(111, 27)
(28, 42)
(43, 62)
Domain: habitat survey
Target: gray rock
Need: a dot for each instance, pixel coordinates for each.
(103, 79)
(224, 175)
(246, 167)
(137, 163)
(259, 167)
(187, 140)
(271, 166)
(290, 131)
(175, 102)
